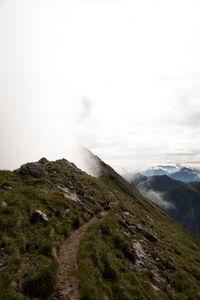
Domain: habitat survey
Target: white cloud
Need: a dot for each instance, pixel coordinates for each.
(119, 77)
(158, 198)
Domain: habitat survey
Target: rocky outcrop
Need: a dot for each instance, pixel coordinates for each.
(34, 169)
(147, 233)
(142, 257)
(43, 161)
(90, 199)
(70, 195)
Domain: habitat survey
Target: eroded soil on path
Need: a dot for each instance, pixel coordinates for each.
(68, 281)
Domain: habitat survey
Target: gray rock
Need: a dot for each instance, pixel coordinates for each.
(127, 213)
(43, 161)
(59, 181)
(90, 199)
(69, 195)
(157, 280)
(34, 169)
(52, 173)
(39, 216)
(6, 187)
(69, 184)
(143, 258)
(4, 204)
(147, 233)
(71, 165)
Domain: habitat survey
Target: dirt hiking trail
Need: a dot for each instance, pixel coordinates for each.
(68, 287)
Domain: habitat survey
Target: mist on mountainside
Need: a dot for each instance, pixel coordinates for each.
(146, 187)
(179, 199)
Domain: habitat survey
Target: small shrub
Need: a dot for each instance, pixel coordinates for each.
(46, 249)
(105, 229)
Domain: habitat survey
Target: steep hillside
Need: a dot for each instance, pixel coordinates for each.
(179, 200)
(40, 205)
(138, 252)
(186, 199)
(60, 227)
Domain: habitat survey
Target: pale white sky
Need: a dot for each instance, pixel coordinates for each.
(119, 77)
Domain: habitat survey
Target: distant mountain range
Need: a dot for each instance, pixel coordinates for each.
(183, 174)
(160, 170)
(179, 199)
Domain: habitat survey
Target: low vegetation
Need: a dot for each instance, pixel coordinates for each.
(118, 258)
(118, 262)
(28, 250)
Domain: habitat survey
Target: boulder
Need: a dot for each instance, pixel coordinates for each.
(39, 216)
(157, 280)
(147, 233)
(6, 186)
(34, 169)
(69, 195)
(43, 161)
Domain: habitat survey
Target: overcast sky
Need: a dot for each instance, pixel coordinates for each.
(119, 77)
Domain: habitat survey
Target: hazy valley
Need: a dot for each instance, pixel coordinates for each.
(180, 199)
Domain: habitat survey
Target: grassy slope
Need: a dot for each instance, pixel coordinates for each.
(187, 202)
(29, 266)
(185, 197)
(107, 258)
(108, 261)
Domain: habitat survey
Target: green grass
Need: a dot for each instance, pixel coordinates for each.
(107, 257)
(33, 247)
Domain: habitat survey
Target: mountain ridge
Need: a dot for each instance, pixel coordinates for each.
(184, 174)
(135, 250)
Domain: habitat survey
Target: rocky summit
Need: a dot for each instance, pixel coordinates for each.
(67, 235)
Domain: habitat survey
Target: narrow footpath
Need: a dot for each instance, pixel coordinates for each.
(68, 287)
